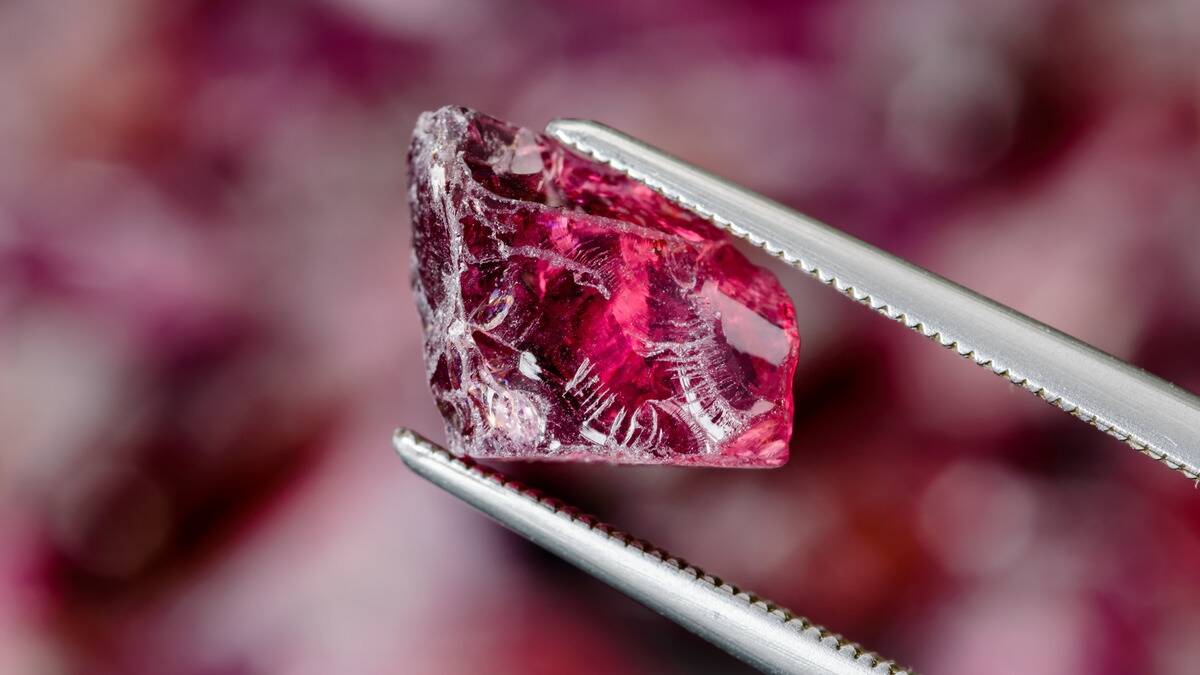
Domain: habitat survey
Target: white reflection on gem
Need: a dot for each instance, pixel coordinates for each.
(529, 367)
(514, 414)
(496, 310)
(696, 408)
(584, 367)
(437, 181)
(527, 154)
(593, 435)
(745, 330)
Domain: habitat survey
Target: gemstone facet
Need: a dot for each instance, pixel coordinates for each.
(572, 313)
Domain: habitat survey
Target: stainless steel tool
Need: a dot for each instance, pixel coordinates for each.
(1150, 414)
(763, 634)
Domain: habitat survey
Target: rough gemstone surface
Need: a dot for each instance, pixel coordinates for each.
(572, 313)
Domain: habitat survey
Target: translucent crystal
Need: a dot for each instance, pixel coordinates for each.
(572, 313)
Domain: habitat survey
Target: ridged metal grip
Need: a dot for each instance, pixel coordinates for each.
(760, 633)
(1150, 414)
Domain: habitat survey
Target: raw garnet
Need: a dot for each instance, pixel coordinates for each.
(572, 313)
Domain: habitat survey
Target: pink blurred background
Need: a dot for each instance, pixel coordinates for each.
(207, 336)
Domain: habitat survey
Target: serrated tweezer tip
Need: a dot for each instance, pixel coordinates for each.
(759, 632)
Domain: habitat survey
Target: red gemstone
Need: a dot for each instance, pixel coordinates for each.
(572, 313)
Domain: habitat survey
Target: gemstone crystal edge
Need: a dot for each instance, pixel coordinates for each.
(571, 313)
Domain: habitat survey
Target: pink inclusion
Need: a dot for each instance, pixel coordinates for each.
(572, 313)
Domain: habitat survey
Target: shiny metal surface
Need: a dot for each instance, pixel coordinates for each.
(1150, 414)
(764, 635)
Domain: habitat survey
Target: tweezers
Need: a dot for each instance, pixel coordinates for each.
(1153, 416)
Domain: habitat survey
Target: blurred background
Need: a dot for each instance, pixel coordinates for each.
(207, 334)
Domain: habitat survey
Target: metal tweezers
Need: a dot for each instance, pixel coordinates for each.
(1153, 416)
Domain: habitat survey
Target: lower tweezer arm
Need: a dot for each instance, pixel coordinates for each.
(1154, 416)
(762, 634)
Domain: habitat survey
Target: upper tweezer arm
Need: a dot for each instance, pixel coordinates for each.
(764, 635)
(1150, 414)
